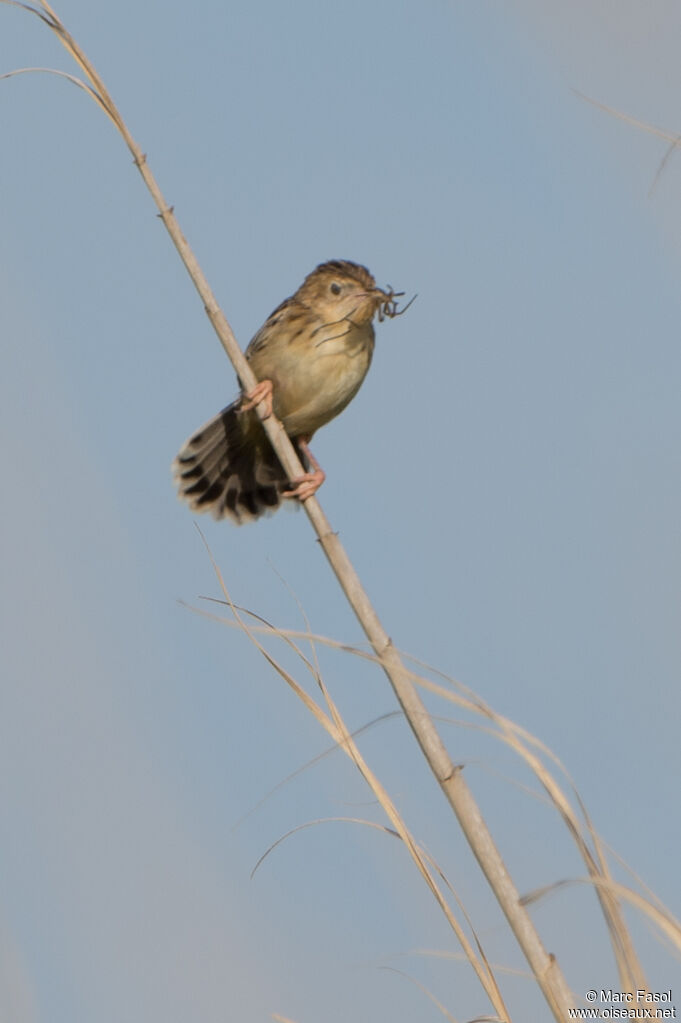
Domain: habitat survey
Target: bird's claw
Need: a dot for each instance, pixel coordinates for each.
(303, 487)
(262, 392)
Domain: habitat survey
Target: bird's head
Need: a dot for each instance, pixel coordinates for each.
(342, 290)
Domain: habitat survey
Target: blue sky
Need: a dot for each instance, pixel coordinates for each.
(507, 484)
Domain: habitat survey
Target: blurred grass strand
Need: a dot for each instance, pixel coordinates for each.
(673, 140)
(429, 994)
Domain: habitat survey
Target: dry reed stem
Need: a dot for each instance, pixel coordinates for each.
(449, 777)
(335, 726)
(528, 747)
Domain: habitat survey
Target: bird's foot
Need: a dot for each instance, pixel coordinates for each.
(262, 392)
(306, 486)
(309, 483)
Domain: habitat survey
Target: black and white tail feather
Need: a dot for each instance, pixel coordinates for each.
(229, 468)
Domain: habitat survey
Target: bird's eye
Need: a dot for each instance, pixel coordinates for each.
(336, 288)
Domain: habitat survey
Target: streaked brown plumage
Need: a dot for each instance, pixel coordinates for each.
(315, 349)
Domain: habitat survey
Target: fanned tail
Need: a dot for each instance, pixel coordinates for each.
(228, 468)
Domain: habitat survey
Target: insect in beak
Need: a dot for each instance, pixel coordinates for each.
(387, 303)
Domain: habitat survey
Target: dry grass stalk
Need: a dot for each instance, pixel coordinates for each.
(342, 738)
(449, 777)
(531, 750)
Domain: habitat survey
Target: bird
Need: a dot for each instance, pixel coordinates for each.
(310, 358)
